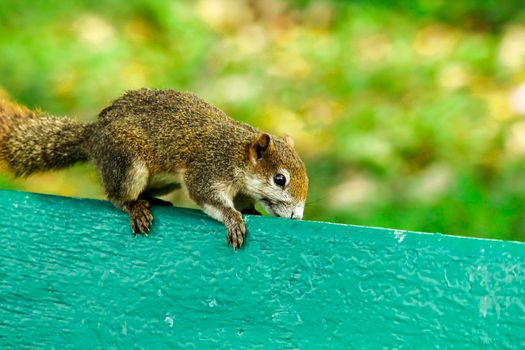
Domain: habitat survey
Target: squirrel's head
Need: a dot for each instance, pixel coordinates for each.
(277, 176)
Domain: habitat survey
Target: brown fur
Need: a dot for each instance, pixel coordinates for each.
(226, 165)
(32, 142)
(9, 112)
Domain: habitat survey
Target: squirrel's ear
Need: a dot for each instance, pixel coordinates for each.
(259, 146)
(288, 139)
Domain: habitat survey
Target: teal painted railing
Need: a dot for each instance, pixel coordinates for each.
(73, 276)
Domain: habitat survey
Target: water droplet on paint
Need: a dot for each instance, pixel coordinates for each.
(399, 235)
(169, 321)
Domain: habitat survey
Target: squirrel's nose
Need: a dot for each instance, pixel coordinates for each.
(294, 216)
(297, 213)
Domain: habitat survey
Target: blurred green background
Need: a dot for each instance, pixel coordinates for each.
(408, 116)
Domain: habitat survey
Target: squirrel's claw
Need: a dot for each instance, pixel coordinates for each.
(235, 234)
(140, 217)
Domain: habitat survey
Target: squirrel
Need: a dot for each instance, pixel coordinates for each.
(149, 142)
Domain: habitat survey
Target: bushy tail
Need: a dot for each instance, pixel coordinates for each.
(32, 141)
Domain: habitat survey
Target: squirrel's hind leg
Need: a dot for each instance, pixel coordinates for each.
(125, 179)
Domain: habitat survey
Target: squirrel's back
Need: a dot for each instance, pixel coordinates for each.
(177, 126)
(175, 106)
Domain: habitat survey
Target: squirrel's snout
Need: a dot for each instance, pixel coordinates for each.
(284, 211)
(297, 213)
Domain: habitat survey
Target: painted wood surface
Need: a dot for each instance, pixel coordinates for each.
(72, 276)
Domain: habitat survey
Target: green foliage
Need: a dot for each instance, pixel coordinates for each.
(404, 111)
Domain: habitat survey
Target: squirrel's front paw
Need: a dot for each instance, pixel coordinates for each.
(235, 232)
(139, 216)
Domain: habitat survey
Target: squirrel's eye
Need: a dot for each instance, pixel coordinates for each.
(280, 180)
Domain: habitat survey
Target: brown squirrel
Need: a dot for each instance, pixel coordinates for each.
(145, 138)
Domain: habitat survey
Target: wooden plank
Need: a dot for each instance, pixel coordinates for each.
(73, 276)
